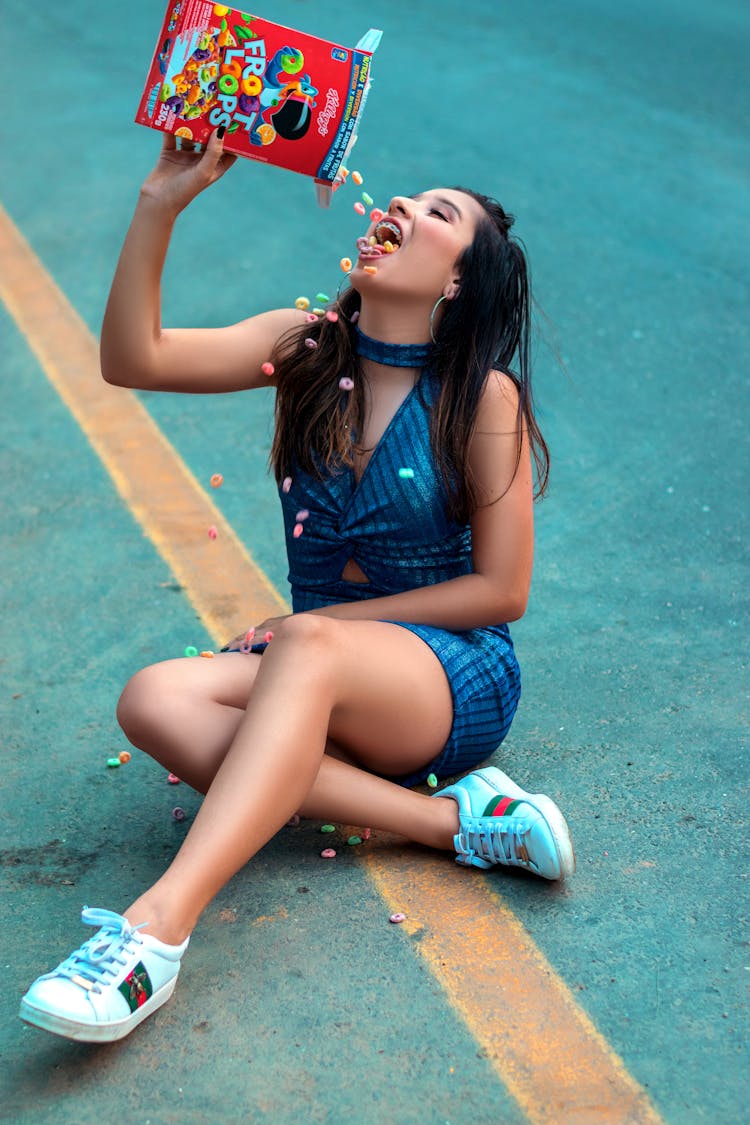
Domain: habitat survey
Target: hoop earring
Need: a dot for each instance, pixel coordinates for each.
(432, 316)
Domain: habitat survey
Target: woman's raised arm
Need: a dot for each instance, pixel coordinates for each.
(135, 350)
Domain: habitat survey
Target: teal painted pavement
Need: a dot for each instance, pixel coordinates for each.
(616, 136)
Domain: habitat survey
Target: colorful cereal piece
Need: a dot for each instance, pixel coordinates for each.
(328, 828)
(113, 763)
(311, 318)
(322, 298)
(318, 312)
(207, 654)
(332, 316)
(354, 840)
(178, 813)
(293, 821)
(432, 781)
(268, 637)
(249, 635)
(310, 343)
(173, 779)
(359, 208)
(370, 269)
(286, 484)
(376, 214)
(346, 264)
(388, 246)
(355, 316)
(357, 178)
(302, 515)
(366, 833)
(397, 918)
(328, 853)
(124, 756)
(302, 303)
(406, 474)
(191, 650)
(268, 369)
(212, 532)
(343, 171)
(298, 529)
(346, 384)
(367, 199)
(217, 480)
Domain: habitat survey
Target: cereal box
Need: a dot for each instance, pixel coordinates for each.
(285, 97)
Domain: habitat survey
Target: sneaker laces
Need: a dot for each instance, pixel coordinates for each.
(498, 839)
(102, 954)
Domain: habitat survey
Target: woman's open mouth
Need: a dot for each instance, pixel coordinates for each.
(386, 238)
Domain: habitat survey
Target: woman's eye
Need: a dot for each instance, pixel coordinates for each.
(435, 211)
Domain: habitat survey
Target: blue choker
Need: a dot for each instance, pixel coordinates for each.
(392, 355)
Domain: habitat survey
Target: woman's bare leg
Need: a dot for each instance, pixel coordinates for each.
(377, 690)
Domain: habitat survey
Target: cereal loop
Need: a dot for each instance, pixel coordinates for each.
(302, 303)
(268, 369)
(346, 264)
(357, 178)
(359, 208)
(217, 480)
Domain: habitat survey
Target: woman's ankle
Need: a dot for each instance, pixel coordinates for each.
(152, 918)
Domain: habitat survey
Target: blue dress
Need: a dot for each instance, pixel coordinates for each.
(395, 526)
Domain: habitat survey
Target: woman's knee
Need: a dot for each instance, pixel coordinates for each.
(142, 701)
(307, 630)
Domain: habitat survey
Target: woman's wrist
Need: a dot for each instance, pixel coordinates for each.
(156, 207)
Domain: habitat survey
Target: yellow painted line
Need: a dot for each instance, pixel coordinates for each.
(222, 581)
(547, 1051)
(543, 1046)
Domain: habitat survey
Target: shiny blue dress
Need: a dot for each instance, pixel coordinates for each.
(395, 526)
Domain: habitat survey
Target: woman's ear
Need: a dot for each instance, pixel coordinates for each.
(451, 289)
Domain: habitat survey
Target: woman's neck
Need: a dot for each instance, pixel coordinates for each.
(394, 325)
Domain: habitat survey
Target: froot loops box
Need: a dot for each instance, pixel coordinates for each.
(284, 97)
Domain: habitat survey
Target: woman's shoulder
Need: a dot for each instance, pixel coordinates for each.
(499, 400)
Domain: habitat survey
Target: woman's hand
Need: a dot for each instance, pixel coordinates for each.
(254, 636)
(182, 173)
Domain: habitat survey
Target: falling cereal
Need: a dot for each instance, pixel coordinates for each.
(217, 480)
(346, 264)
(212, 532)
(346, 384)
(267, 369)
(359, 208)
(286, 484)
(357, 178)
(397, 918)
(302, 303)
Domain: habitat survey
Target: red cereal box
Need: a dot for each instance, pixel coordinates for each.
(285, 98)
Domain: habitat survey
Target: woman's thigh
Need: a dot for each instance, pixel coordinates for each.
(392, 708)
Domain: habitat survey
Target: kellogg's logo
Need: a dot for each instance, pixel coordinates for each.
(329, 112)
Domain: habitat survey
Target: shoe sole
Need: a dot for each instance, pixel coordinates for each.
(558, 826)
(95, 1033)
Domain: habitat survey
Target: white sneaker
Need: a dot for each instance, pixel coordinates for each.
(499, 822)
(108, 986)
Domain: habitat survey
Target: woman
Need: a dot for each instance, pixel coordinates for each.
(403, 449)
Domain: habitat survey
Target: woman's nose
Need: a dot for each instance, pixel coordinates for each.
(400, 205)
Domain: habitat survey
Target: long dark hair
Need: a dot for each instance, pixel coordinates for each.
(484, 327)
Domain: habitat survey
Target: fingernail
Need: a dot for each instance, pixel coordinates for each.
(221, 131)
